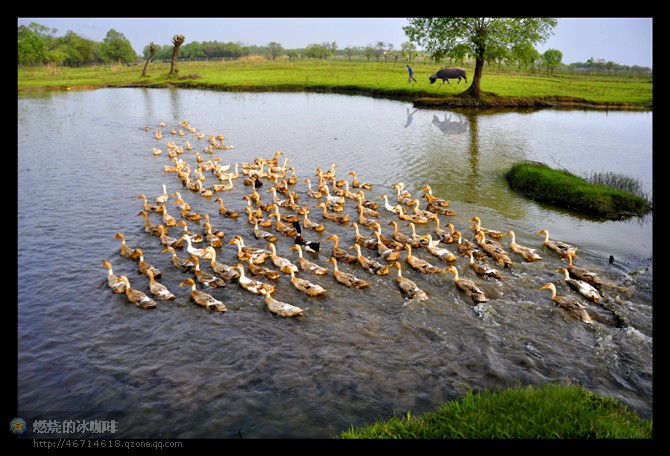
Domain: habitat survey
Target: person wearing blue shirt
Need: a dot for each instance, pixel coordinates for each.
(411, 75)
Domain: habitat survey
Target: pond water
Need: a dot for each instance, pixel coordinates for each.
(356, 356)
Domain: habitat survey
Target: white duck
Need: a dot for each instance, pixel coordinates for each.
(117, 287)
(204, 299)
(280, 308)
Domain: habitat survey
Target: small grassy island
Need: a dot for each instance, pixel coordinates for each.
(604, 196)
(549, 412)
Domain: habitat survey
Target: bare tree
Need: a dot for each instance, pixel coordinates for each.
(177, 40)
(152, 53)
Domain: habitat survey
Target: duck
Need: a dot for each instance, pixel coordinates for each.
(169, 241)
(468, 286)
(339, 253)
(261, 270)
(228, 185)
(526, 253)
(252, 285)
(203, 299)
(483, 269)
(404, 196)
(309, 246)
(194, 251)
(168, 219)
(284, 264)
(316, 194)
(127, 251)
(394, 209)
(494, 234)
(366, 203)
(229, 213)
(283, 309)
(356, 184)
(420, 264)
(441, 210)
(190, 215)
(372, 266)
(256, 255)
(149, 227)
(403, 238)
(281, 227)
(163, 197)
(207, 279)
(212, 238)
(433, 200)
(136, 296)
(144, 266)
(346, 278)
(584, 274)
(196, 238)
(117, 287)
(409, 287)
(332, 200)
(183, 264)
(445, 236)
(307, 265)
(222, 269)
(307, 287)
(582, 287)
(364, 221)
(365, 241)
(318, 227)
(160, 291)
(262, 234)
(494, 249)
(465, 246)
(562, 248)
(339, 218)
(570, 304)
(439, 252)
(150, 207)
(414, 218)
(385, 252)
(390, 242)
(179, 201)
(421, 212)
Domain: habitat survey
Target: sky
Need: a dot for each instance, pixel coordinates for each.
(625, 41)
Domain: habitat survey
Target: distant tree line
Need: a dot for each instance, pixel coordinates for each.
(39, 45)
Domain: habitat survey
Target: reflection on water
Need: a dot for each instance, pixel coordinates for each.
(357, 355)
(450, 127)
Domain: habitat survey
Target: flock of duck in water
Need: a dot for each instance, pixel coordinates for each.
(281, 214)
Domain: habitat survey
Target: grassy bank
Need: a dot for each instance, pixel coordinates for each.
(599, 200)
(386, 79)
(549, 412)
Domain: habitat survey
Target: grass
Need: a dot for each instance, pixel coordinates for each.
(373, 78)
(547, 412)
(607, 196)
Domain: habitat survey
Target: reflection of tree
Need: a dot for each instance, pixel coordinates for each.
(176, 103)
(450, 127)
(148, 102)
(473, 181)
(410, 117)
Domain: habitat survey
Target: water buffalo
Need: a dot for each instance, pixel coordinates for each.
(446, 73)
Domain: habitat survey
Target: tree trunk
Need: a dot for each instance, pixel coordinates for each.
(177, 40)
(474, 90)
(152, 53)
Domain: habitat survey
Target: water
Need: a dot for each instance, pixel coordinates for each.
(357, 356)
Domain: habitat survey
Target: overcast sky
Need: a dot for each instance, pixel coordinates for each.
(626, 41)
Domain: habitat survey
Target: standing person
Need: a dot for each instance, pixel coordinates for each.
(411, 75)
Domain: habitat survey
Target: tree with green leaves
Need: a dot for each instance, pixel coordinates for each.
(552, 58)
(408, 50)
(116, 48)
(275, 49)
(475, 37)
(349, 52)
(31, 48)
(152, 53)
(177, 41)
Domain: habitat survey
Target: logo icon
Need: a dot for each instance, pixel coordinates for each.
(17, 426)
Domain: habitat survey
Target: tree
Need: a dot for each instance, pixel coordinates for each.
(177, 41)
(349, 52)
(524, 55)
(450, 36)
(369, 51)
(152, 53)
(275, 49)
(380, 47)
(408, 50)
(552, 58)
(116, 48)
(292, 54)
(31, 49)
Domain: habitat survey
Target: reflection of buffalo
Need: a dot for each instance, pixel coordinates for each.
(449, 127)
(446, 73)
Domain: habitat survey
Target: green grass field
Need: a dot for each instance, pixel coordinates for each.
(375, 78)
